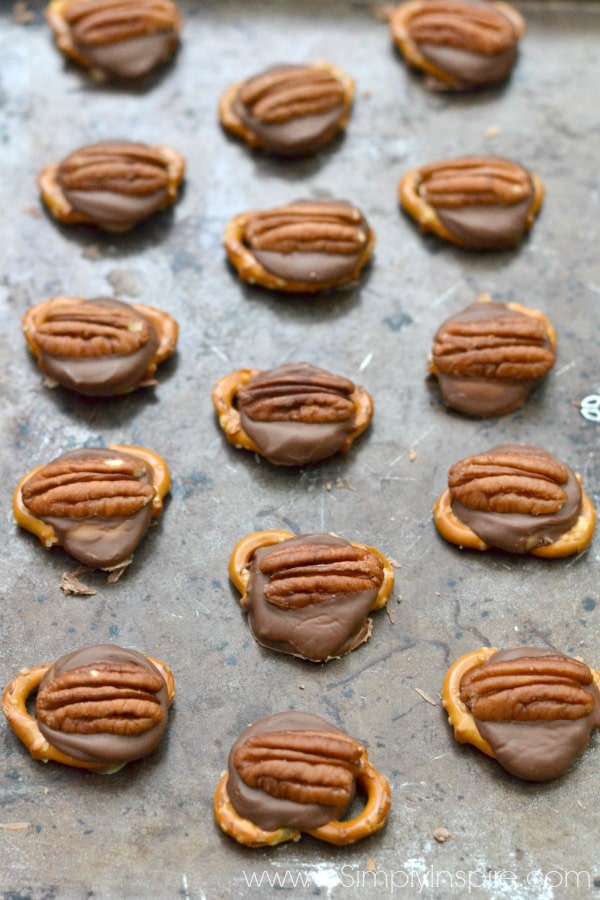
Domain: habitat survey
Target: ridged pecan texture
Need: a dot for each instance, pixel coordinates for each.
(529, 689)
(302, 574)
(524, 480)
(97, 22)
(302, 766)
(502, 347)
(468, 26)
(287, 93)
(474, 181)
(122, 168)
(104, 698)
(304, 394)
(308, 228)
(102, 487)
(89, 329)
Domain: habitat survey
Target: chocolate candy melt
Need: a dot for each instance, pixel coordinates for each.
(104, 746)
(544, 749)
(265, 810)
(327, 620)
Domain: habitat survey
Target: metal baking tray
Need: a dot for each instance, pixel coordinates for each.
(148, 831)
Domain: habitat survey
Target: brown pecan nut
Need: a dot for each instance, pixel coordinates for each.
(458, 44)
(96, 503)
(97, 707)
(113, 184)
(479, 202)
(293, 772)
(530, 708)
(309, 595)
(490, 355)
(292, 415)
(101, 347)
(122, 39)
(518, 498)
(304, 247)
(289, 110)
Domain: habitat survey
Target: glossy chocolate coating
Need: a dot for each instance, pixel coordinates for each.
(101, 543)
(290, 442)
(538, 751)
(319, 631)
(268, 812)
(103, 376)
(296, 136)
(109, 748)
(492, 227)
(477, 396)
(518, 532)
(471, 70)
(110, 209)
(129, 59)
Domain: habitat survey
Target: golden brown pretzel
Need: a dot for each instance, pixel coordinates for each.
(161, 481)
(232, 122)
(573, 541)
(426, 217)
(372, 818)
(247, 546)
(226, 388)
(14, 705)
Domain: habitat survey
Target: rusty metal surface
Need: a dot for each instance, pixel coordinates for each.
(148, 831)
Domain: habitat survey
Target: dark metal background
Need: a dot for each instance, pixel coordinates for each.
(148, 831)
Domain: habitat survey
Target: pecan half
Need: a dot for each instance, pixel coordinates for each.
(108, 21)
(300, 393)
(529, 689)
(308, 227)
(89, 329)
(474, 181)
(133, 170)
(303, 574)
(284, 93)
(302, 766)
(476, 27)
(103, 486)
(503, 346)
(515, 479)
(103, 698)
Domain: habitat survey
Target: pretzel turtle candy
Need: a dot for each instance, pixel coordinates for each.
(310, 597)
(120, 39)
(113, 184)
(458, 44)
(289, 110)
(490, 355)
(305, 247)
(536, 707)
(299, 413)
(475, 202)
(101, 347)
(293, 773)
(96, 691)
(96, 503)
(517, 498)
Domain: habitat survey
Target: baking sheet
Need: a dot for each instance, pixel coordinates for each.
(148, 831)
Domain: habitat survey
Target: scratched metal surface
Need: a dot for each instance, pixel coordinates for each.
(148, 831)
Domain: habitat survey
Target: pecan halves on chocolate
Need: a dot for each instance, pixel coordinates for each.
(289, 110)
(113, 184)
(476, 202)
(118, 39)
(309, 595)
(518, 498)
(489, 356)
(304, 247)
(98, 707)
(293, 772)
(531, 709)
(95, 503)
(458, 44)
(292, 415)
(101, 347)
